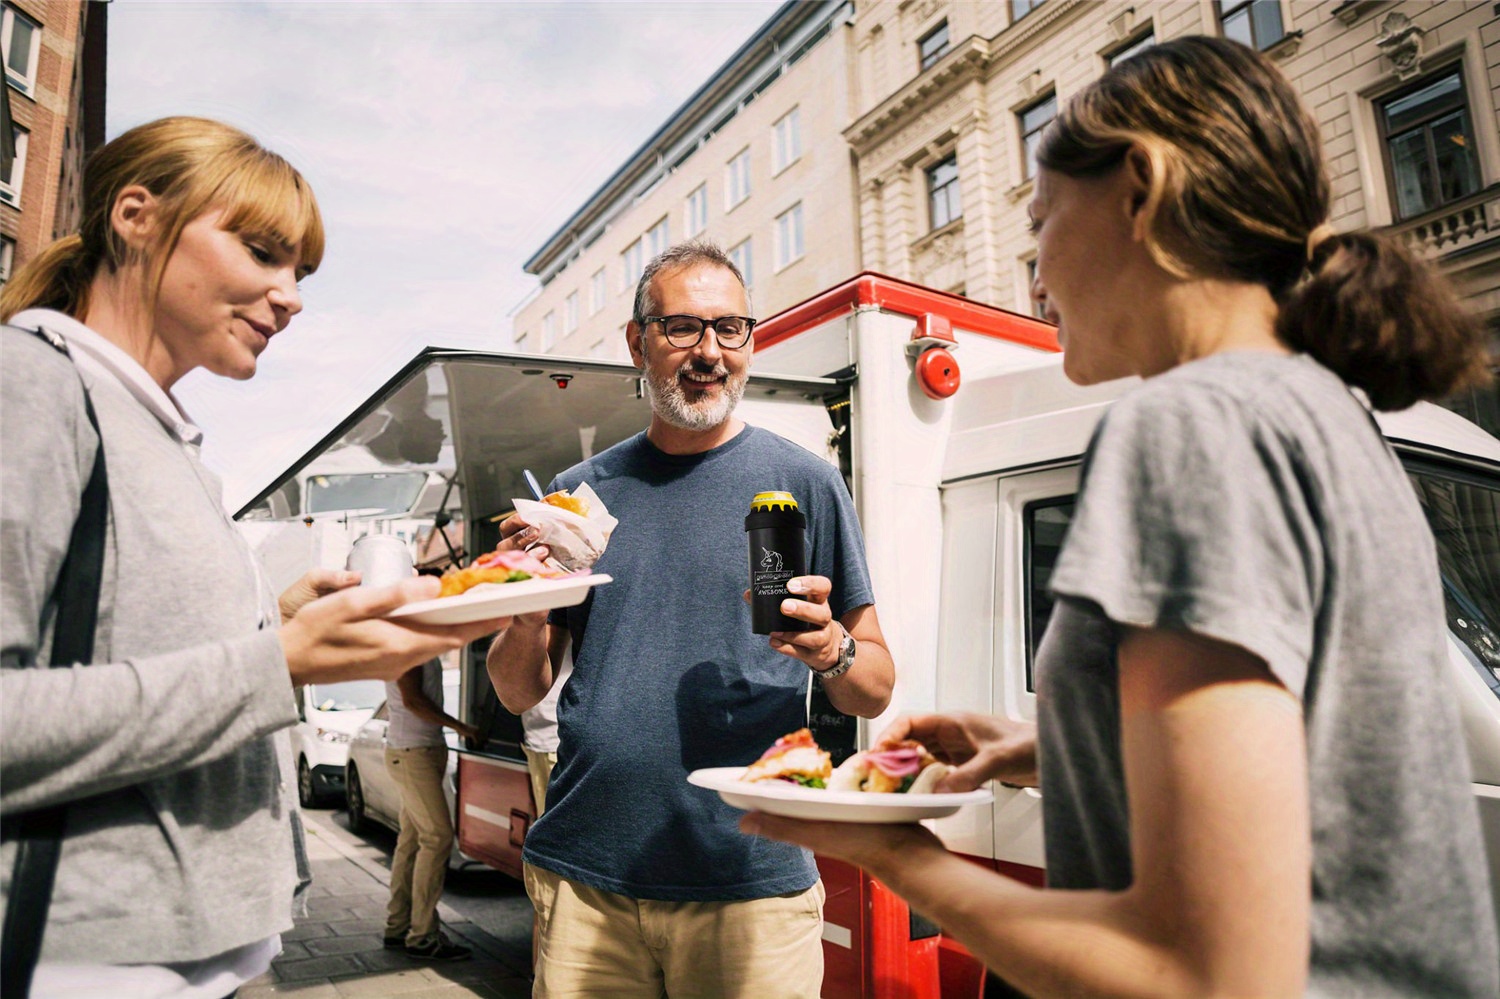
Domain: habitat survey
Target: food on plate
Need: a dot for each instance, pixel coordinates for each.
(497, 567)
(907, 768)
(794, 758)
(567, 501)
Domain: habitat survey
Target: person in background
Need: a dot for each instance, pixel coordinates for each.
(539, 737)
(180, 855)
(641, 882)
(1254, 782)
(416, 756)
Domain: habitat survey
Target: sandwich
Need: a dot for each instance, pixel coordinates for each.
(794, 758)
(497, 567)
(567, 501)
(906, 768)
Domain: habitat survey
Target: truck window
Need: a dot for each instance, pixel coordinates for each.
(371, 493)
(1463, 510)
(351, 695)
(1046, 526)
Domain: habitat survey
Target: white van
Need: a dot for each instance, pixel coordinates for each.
(328, 715)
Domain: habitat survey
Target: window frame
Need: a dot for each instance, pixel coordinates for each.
(953, 184)
(1382, 126)
(1139, 43)
(25, 83)
(598, 291)
(783, 152)
(790, 244)
(570, 312)
(744, 261)
(633, 262)
(1225, 9)
(697, 210)
(737, 172)
(549, 331)
(927, 58)
(657, 239)
(519, 343)
(1028, 150)
(10, 191)
(1023, 8)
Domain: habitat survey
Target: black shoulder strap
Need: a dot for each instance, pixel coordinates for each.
(39, 834)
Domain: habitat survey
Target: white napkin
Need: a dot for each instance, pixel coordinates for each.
(576, 542)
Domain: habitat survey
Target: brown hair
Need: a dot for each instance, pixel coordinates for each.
(1239, 189)
(191, 165)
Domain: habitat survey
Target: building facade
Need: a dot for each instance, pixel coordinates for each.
(950, 98)
(54, 54)
(755, 161)
(927, 175)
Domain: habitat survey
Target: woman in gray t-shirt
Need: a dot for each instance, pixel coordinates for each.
(1253, 783)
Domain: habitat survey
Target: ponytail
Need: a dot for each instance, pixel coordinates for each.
(57, 278)
(1383, 321)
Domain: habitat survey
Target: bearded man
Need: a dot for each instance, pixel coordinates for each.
(643, 884)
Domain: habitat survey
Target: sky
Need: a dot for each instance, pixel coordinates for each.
(445, 142)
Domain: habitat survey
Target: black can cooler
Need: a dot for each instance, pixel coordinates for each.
(778, 552)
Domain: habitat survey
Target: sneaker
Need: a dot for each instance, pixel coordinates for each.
(394, 943)
(438, 948)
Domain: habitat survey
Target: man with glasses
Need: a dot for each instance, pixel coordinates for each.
(643, 884)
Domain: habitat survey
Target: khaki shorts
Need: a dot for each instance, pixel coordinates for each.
(596, 943)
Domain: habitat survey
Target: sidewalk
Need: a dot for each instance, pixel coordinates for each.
(335, 951)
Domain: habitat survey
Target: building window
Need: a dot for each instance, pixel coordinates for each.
(634, 263)
(657, 239)
(789, 247)
(597, 349)
(596, 292)
(549, 332)
(932, 46)
(788, 148)
(697, 210)
(20, 40)
(1429, 145)
(1256, 23)
(570, 312)
(740, 256)
(1144, 42)
(737, 179)
(10, 180)
(1020, 8)
(1033, 120)
(521, 342)
(943, 201)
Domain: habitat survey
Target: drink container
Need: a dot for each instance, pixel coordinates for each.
(381, 559)
(778, 552)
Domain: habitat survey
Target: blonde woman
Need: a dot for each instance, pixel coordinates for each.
(177, 868)
(1253, 784)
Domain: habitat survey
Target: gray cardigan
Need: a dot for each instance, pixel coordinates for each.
(180, 824)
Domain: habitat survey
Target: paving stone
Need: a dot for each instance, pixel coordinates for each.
(342, 945)
(302, 990)
(317, 967)
(353, 927)
(395, 983)
(309, 929)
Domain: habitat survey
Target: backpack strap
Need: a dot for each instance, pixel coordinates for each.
(39, 833)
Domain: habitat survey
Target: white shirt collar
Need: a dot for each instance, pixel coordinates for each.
(98, 356)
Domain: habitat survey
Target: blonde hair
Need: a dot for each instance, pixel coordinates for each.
(1239, 191)
(190, 165)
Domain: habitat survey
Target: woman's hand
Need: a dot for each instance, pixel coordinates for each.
(979, 747)
(317, 583)
(345, 635)
(875, 847)
(516, 535)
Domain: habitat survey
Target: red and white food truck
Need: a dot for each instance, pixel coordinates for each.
(960, 440)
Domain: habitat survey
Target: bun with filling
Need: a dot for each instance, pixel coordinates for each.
(567, 501)
(794, 758)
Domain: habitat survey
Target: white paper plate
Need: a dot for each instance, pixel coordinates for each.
(797, 802)
(489, 600)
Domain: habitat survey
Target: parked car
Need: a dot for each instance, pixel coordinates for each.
(327, 716)
(372, 795)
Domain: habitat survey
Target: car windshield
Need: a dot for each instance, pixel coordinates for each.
(1464, 514)
(370, 492)
(352, 695)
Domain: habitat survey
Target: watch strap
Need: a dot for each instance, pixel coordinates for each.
(846, 658)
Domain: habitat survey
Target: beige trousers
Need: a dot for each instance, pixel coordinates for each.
(598, 944)
(423, 845)
(539, 768)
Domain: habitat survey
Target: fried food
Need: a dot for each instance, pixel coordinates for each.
(567, 501)
(795, 758)
(495, 567)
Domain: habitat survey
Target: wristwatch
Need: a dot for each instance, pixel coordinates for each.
(846, 658)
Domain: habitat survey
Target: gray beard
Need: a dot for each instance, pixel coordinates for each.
(669, 401)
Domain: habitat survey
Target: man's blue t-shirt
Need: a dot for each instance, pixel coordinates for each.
(668, 678)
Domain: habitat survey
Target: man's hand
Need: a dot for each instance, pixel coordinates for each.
(317, 583)
(818, 648)
(516, 535)
(979, 747)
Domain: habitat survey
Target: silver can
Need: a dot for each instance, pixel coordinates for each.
(381, 559)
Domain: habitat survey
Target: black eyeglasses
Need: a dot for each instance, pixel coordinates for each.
(682, 332)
